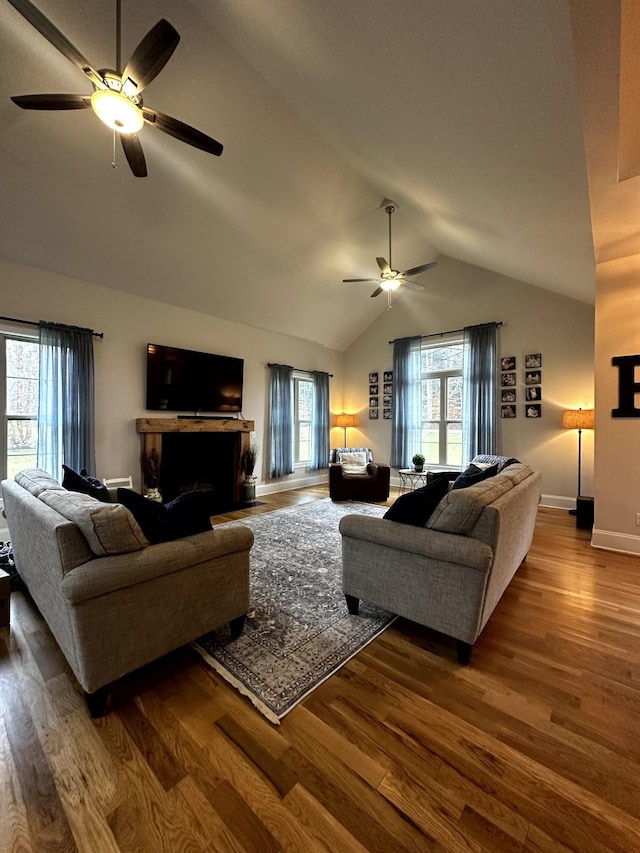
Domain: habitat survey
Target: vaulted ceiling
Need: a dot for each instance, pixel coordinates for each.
(466, 114)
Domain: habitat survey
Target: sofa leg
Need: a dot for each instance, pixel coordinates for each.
(353, 604)
(97, 701)
(236, 626)
(463, 652)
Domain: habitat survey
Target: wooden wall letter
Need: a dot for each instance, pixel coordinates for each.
(627, 386)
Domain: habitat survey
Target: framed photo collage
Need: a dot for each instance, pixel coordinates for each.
(509, 390)
(380, 395)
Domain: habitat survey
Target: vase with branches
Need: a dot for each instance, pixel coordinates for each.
(247, 466)
(150, 463)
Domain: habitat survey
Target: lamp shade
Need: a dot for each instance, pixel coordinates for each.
(345, 420)
(578, 419)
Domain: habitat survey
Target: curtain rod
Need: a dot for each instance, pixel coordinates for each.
(34, 323)
(275, 364)
(450, 332)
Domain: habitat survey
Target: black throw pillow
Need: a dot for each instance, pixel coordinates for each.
(474, 475)
(188, 514)
(416, 507)
(85, 484)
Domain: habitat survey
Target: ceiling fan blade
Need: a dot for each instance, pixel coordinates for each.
(421, 268)
(347, 280)
(54, 36)
(150, 57)
(134, 154)
(52, 102)
(384, 266)
(182, 131)
(413, 285)
(377, 292)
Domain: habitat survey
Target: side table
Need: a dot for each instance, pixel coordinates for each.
(411, 479)
(5, 598)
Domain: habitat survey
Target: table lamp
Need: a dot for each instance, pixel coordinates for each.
(578, 419)
(345, 421)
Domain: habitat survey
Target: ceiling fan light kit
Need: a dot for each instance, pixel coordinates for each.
(117, 99)
(391, 279)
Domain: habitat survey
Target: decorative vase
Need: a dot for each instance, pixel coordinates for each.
(153, 495)
(249, 489)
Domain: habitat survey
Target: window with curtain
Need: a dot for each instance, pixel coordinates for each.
(445, 400)
(66, 404)
(299, 420)
(19, 368)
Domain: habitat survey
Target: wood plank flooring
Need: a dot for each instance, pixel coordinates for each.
(533, 747)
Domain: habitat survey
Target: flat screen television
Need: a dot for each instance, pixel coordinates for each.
(182, 380)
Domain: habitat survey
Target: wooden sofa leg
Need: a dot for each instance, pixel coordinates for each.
(353, 604)
(97, 702)
(463, 652)
(236, 626)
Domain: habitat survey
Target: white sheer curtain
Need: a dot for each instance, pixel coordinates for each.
(480, 391)
(407, 417)
(66, 404)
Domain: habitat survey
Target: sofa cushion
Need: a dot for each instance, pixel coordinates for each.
(36, 481)
(84, 484)
(188, 514)
(416, 507)
(108, 528)
(459, 510)
(474, 474)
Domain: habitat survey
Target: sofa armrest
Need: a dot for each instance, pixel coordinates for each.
(106, 574)
(446, 547)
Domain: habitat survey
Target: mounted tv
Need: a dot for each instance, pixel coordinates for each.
(182, 380)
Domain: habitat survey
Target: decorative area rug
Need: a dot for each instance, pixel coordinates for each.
(299, 631)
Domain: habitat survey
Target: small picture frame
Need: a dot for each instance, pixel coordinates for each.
(532, 377)
(373, 389)
(386, 400)
(386, 414)
(373, 414)
(533, 410)
(533, 394)
(508, 379)
(373, 377)
(373, 402)
(508, 395)
(507, 411)
(533, 360)
(387, 388)
(508, 362)
(387, 376)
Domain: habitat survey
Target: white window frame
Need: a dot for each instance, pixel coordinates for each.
(8, 334)
(297, 377)
(443, 376)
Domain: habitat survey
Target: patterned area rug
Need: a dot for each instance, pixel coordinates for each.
(300, 631)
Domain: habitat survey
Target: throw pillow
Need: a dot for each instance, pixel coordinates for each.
(188, 514)
(416, 507)
(353, 463)
(337, 453)
(86, 485)
(474, 475)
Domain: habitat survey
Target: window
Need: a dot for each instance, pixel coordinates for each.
(303, 420)
(441, 402)
(19, 358)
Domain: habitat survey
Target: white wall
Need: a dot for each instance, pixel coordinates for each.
(129, 323)
(534, 320)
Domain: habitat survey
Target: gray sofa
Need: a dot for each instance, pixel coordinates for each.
(113, 601)
(450, 574)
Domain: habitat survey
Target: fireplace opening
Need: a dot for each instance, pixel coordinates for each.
(200, 461)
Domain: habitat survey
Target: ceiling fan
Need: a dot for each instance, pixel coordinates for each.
(117, 98)
(391, 279)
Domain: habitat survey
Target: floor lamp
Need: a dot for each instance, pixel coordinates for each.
(345, 421)
(578, 419)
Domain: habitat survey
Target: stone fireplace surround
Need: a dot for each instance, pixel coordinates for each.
(198, 453)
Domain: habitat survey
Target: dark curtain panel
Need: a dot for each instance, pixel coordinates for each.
(480, 390)
(66, 405)
(321, 421)
(406, 423)
(280, 420)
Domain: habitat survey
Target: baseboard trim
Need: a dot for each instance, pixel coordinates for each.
(295, 483)
(623, 543)
(558, 502)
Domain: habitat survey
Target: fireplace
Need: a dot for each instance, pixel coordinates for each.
(198, 454)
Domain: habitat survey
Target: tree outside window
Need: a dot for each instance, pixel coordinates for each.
(21, 404)
(303, 420)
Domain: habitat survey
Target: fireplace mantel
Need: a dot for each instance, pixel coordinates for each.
(152, 429)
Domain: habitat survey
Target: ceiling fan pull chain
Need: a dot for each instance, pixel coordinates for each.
(113, 158)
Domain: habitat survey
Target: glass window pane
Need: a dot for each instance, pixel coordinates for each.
(22, 396)
(454, 443)
(437, 358)
(22, 358)
(454, 398)
(22, 438)
(305, 400)
(430, 399)
(430, 442)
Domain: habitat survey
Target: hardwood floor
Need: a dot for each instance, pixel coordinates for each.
(533, 747)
